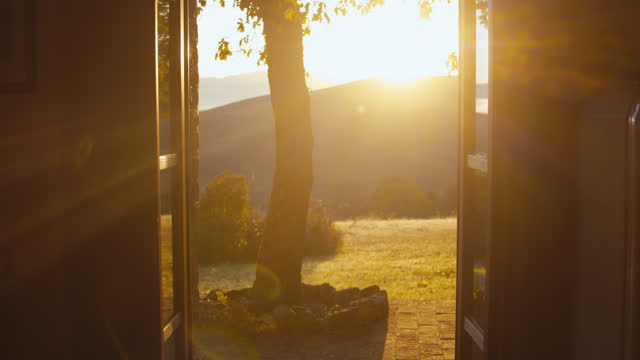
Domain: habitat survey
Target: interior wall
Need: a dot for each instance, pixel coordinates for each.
(602, 241)
(602, 168)
(38, 131)
(79, 187)
(601, 227)
(550, 60)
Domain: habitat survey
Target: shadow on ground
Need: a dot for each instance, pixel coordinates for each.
(213, 343)
(414, 329)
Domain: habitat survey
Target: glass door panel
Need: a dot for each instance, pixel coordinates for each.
(479, 196)
(171, 143)
(165, 165)
(475, 195)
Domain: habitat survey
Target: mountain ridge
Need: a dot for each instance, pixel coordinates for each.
(364, 131)
(216, 92)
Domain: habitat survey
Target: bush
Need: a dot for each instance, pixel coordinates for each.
(448, 202)
(322, 236)
(225, 217)
(230, 231)
(255, 231)
(400, 198)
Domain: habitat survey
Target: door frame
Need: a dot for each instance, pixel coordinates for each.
(466, 333)
(179, 324)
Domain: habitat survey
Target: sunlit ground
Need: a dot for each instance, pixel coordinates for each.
(166, 256)
(411, 259)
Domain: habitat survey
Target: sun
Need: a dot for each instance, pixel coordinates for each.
(391, 43)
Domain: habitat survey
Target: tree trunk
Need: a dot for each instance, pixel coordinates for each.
(281, 250)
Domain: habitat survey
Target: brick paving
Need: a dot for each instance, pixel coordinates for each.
(415, 329)
(420, 330)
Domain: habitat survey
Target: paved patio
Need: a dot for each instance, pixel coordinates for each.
(421, 330)
(415, 329)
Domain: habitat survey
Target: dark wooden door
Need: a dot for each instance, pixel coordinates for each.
(474, 230)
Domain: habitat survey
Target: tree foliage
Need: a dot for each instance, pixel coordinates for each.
(304, 12)
(400, 198)
(164, 9)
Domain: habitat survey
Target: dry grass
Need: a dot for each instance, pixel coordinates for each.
(411, 259)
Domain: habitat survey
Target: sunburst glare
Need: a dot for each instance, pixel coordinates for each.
(392, 43)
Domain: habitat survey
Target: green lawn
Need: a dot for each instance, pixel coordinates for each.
(166, 258)
(411, 259)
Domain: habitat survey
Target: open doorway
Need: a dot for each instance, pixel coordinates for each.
(383, 206)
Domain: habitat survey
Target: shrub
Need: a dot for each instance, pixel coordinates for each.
(400, 198)
(230, 231)
(225, 216)
(322, 236)
(255, 231)
(448, 202)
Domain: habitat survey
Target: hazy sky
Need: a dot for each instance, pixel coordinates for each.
(391, 42)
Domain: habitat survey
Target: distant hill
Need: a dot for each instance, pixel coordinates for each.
(215, 92)
(364, 131)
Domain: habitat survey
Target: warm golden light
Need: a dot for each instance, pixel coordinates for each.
(392, 43)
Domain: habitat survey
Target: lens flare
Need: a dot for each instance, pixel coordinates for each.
(218, 342)
(265, 273)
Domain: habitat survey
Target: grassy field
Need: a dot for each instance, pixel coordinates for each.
(166, 258)
(411, 259)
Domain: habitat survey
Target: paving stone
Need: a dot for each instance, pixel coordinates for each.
(428, 329)
(407, 356)
(448, 344)
(426, 309)
(446, 317)
(430, 349)
(450, 335)
(406, 336)
(404, 347)
(446, 326)
(427, 319)
(407, 321)
(407, 352)
(446, 307)
(408, 308)
(449, 355)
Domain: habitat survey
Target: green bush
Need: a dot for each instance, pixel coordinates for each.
(400, 198)
(255, 231)
(322, 236)
(231, 231)
(225, 217)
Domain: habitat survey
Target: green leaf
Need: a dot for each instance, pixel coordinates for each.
(223, 50)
